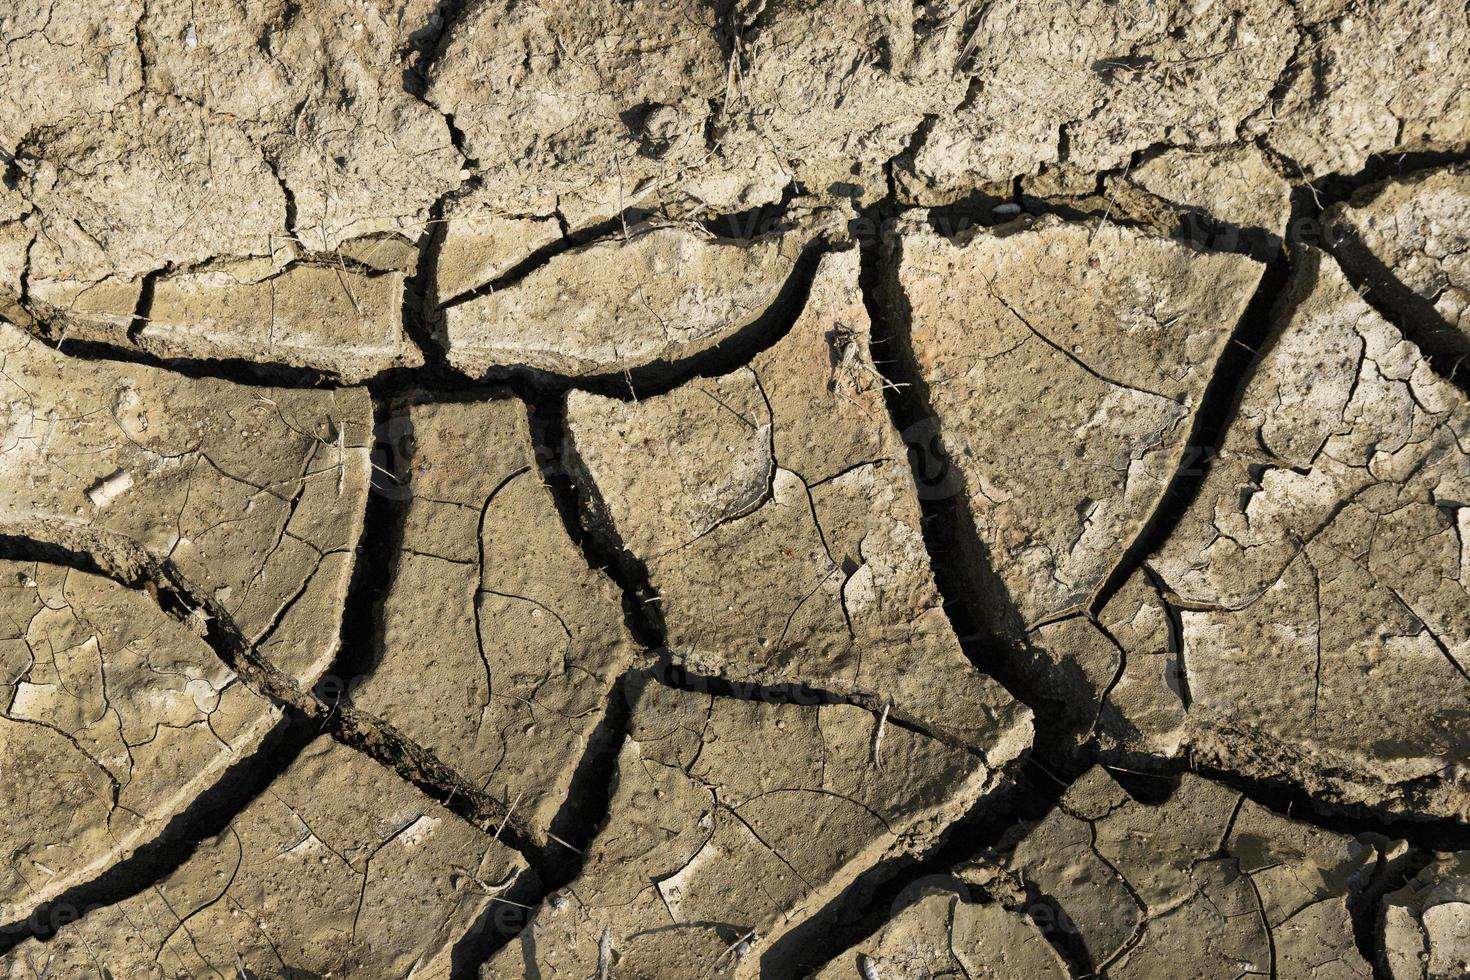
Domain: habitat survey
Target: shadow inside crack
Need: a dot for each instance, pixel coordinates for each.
(128, 563)
(1445, 347)
(980, 609)
(208, 815)
(658, 377)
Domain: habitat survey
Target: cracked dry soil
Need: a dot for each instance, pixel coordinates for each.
(790, 488)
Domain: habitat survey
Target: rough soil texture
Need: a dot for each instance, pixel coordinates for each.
(1203, 883)
(768, 488)
(1426, 924)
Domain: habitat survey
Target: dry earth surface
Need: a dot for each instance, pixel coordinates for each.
(679, 489)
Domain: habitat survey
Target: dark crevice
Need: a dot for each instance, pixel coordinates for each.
(603, 230)
(1424, 833)
(739, 226)
(1336, 188)
(1050, 918)
(1221, 398)
(235, 370)
(126, 562)
(208, 815)
(1092, 207)
(669, 671)
(590, 791)
(1445, 347)
(1127, 205)
(1148, 788)
(289, 198)
(1024, 795)
(662, 376)
(1206, 231)
(1179, 669)
(755, 222)
(334, 261)
(1217, 408)
(728, 27)
(984, 208)
(980, 611)
(420, 319)
(378, 556)
(504, 918)
(576, 824)
(583, 516)
(23, 298)
(426, 44)
(143, 310)
(645, 381)
(735, 227)
(421, 323)
(1154, 780)
(1391, 871)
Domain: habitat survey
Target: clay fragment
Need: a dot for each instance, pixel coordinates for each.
(113, 718)
(708, 856)
(785, 546)
(1425, 926)
(1306, 618)
(256, 495)
(500, 644)
(337, 868)
(659, 293)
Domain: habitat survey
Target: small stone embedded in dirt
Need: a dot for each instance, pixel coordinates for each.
(500, 645)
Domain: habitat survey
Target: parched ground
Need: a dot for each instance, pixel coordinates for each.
(789, 488)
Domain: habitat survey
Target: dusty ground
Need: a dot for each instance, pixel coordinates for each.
(667, 489)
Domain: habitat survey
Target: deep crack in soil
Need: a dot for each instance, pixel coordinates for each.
(735, 489)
